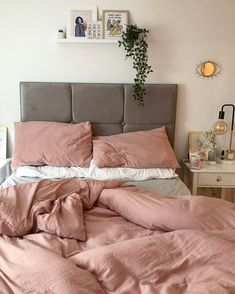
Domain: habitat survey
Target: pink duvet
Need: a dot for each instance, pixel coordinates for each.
(73, 236)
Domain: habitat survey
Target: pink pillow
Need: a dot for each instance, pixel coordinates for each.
(52, 143)
(143, 149)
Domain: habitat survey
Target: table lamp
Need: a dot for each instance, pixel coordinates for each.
(220, 127)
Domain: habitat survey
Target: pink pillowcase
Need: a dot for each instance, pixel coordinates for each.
(52, 143)
(143, 149)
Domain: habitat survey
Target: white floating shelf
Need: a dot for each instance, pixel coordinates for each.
(91, 41)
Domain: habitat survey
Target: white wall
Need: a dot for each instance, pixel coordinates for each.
(183, 33)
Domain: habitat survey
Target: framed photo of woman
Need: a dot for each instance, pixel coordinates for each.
(3, 142)
(114, 23)
(78, 22)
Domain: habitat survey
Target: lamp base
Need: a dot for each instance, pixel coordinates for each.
(227, 161)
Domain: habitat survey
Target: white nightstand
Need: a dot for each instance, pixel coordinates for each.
(5, 169)
(214, 176)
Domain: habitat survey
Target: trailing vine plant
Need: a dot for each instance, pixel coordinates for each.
(136, 47)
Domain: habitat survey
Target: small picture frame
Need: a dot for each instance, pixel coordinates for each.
(95, 30)
(3, 142)
(78, 21)
(114, 23)
(195, 161)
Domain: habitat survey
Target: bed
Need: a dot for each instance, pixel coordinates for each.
(62, 233)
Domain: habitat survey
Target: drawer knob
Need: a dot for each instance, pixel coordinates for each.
(218, 179)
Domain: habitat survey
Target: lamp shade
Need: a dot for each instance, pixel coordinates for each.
(220, 127)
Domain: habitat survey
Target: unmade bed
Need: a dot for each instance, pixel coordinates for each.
(107, 214)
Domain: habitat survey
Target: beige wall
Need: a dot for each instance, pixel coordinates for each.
(183, 33)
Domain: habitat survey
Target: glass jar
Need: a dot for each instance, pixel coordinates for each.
(212, 157)
(61, 34)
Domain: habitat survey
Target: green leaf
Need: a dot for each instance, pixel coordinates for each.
(135, 45)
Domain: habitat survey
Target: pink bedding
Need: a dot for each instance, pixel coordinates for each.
(141, 149)
(39, 143)
(73, 236)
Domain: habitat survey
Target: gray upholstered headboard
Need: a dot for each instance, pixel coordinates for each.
(109, 107)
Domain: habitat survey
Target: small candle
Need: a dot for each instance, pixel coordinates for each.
(230, 154)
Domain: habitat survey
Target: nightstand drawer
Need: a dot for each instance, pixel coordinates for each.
(216, 179)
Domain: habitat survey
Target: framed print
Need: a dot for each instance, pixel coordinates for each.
(78, 21)
(193, 141)
(3, 142)
(114, 23)
(95, 30)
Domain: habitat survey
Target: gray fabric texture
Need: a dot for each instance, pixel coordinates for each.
(163, 187)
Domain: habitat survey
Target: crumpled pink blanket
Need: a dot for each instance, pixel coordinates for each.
(74, 236)
(55, 207)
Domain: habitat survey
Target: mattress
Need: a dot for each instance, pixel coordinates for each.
(162, 186)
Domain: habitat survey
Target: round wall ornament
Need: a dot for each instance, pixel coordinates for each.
(208, 69)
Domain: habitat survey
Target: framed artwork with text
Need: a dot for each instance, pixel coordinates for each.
(114, 23)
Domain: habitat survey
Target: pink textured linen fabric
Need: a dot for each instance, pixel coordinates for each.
(128, 247)
(169, 213)
(27, 267)
(67, 211)
(171, 263)
(52, 143)
(55, 207)
(142, 149)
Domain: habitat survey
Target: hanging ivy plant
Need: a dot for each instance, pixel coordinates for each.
(134, 42)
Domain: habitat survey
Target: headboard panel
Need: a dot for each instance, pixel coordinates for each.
(46, 101)
(109, 107)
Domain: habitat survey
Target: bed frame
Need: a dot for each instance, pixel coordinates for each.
(109, 107)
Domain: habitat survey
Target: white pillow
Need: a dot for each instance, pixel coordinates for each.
(51, 172)
(95, 173)
(130, 174)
